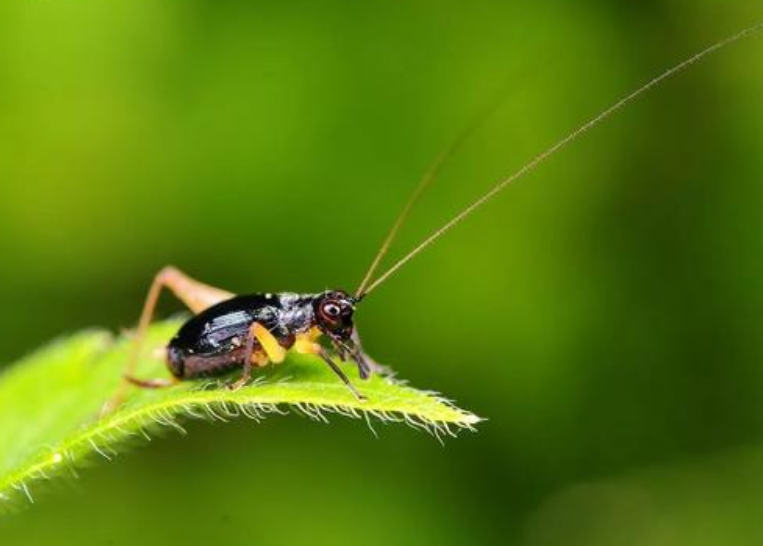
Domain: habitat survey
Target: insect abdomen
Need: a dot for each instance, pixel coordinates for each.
(190, 366)
(176, 361)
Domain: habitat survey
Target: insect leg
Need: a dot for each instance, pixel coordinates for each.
(246, 373)
(268, 342)
(195, 295)
(157, 383)
(366, 365)
(306, 346)
(337, 370)
(270, 346)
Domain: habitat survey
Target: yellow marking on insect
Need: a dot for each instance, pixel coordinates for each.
(306, 342)
(269, 343)
(306, 345)
(260, 359)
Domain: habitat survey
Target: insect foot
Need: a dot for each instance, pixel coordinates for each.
(236, 385)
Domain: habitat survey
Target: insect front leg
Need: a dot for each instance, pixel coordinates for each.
(306, 345)
(367, 366)
(337, 370)
(195, 295)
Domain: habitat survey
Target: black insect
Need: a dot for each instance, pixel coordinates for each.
(231, 331)
(247, 331)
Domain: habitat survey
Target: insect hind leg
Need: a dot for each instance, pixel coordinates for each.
(156, 383)
(196, 295)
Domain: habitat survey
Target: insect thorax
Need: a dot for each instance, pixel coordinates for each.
(296, 312)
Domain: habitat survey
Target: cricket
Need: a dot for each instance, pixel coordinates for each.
(229, 331)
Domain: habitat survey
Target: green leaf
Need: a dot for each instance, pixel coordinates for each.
(50, 404)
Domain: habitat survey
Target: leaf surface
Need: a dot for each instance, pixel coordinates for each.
(50, 404)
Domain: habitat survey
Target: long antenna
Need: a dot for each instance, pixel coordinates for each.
(429, 175)
(574, 135)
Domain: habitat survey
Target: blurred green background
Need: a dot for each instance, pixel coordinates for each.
(604, 314)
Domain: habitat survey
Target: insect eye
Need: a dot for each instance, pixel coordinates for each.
(331, 310)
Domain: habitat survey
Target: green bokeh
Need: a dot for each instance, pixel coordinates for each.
(604, 314)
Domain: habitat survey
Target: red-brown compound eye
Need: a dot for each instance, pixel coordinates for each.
(331, 311)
